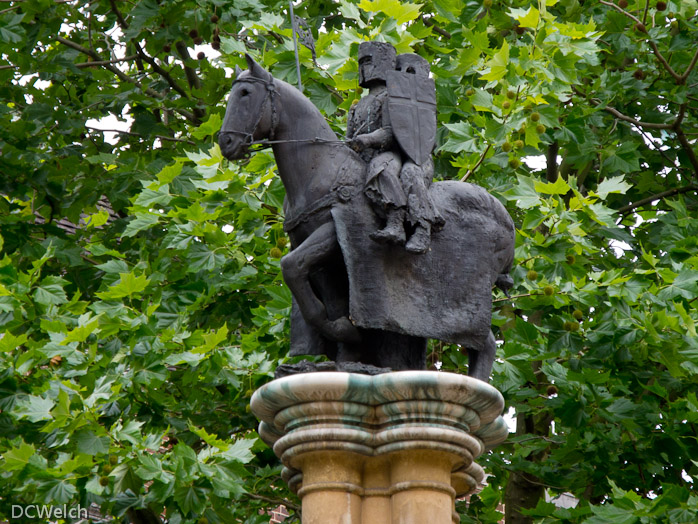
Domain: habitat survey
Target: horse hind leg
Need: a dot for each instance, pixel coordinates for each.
(480, 361)
(296, 266)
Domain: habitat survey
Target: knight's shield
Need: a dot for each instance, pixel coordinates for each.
(412, 110)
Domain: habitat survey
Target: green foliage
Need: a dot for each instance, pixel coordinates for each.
(129, 348)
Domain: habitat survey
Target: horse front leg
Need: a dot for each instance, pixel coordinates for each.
(296, 266)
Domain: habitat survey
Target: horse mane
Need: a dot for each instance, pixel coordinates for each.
(298, 103)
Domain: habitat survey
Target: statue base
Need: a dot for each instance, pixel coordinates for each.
(395, 448)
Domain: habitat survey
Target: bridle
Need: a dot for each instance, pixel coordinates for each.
(271, 94)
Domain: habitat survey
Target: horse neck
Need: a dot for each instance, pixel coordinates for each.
(300, 123)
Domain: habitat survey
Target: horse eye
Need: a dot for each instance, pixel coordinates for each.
(244, 92)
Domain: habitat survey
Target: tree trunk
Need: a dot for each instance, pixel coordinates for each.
(520, 492)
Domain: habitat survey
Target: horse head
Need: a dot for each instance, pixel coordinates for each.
(251, 112)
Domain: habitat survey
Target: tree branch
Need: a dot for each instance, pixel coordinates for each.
(671, 192)
(666, 65)
(479, 162)
(429, 23)
(280, 502)
(551, 168)
(105, 62)
(688, 148)
(192, 79)
(621, 10)
(131, 133)
(159, 70)
(690, 67)
(655, 49)
(124, 77)
(145, 57)
(122, 21)
(647, 8)
(638, 123)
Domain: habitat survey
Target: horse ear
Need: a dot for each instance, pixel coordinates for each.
(237, 71)
(257, 70)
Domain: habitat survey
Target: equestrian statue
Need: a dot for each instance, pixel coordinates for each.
(381, 259)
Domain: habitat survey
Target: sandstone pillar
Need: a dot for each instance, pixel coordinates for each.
(396, 448)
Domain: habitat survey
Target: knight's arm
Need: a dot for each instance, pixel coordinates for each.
(351, 123)
(379, 139)
(383, 137)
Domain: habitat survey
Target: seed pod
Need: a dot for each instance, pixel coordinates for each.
(214, 19)
(532, 275)
(193, 33)
(506, 147)
(535, 117)
(201, 55)
(549, 290)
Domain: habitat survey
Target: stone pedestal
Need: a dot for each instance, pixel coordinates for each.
(396, 448)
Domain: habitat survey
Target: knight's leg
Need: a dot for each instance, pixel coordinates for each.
(296, 266)
(420, 210)
(394, 230)
(480, 362)
(385, 192)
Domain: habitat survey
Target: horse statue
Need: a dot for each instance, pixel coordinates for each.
(354, 299)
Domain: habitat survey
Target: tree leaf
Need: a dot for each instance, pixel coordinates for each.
(50, 291)
(86, 441)
(17, 458)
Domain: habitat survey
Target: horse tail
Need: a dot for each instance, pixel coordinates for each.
(504, 282)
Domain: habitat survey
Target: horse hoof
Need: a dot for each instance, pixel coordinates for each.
(342, 330)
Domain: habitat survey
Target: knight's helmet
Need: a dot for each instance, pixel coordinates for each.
(375, 60)
(412, 63)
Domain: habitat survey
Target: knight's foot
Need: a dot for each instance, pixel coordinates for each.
(419, 241)
(342, 330)
(389, 236)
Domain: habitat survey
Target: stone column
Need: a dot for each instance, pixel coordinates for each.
(396, 448)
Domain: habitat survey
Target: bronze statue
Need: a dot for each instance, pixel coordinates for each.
(362, 295)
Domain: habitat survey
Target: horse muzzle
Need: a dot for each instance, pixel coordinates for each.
(233, 145)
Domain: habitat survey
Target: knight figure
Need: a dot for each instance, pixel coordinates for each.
(393, 128)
